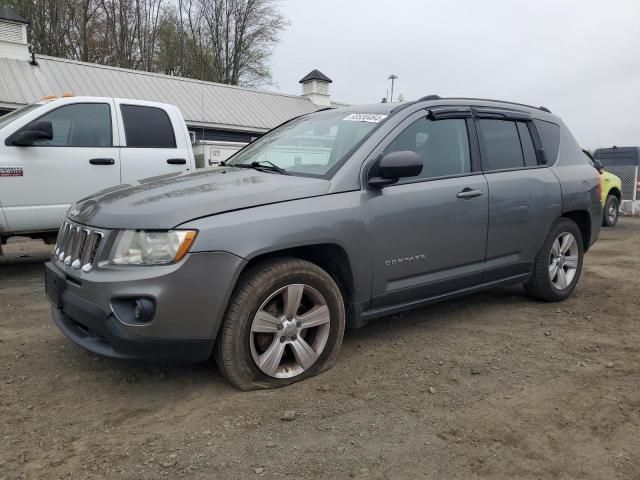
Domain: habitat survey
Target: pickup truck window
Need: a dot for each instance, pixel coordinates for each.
(443, 146)
(79, 125)
(147, 127)
(313, 144)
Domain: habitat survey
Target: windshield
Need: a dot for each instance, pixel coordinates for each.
(312, 144)
(11, 116)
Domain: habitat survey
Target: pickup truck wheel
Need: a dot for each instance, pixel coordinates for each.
(284, 323)
(558, 264)
(611, 211)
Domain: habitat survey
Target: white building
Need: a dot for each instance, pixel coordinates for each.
(214, 112)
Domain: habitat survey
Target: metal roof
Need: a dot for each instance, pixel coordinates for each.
(204, 104)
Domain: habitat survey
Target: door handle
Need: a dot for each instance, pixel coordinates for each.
(102, 161)
(177, 161)
(468, 193)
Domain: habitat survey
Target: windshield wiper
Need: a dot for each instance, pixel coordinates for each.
(262, 165)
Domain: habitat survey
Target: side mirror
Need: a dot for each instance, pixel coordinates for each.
(38, 130)
(394, 166)
(598, 165)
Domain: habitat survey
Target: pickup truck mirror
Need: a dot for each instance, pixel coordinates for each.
(38, 130)
(394, 166)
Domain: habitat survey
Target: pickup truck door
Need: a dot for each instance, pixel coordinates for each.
(154, 140)
(429, 233)
(40, 181)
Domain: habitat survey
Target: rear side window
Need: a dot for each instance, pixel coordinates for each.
(528, 149)
(501, 144)
(147, 127)
(550, 138)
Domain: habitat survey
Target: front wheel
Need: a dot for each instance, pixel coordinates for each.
(284, 323)
(558, 265)
(611, 211)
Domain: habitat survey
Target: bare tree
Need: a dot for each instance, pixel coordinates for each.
(228, 41)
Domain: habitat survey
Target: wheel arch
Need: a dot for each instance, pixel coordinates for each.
(331, 257)
(582, 218)
(615, 191)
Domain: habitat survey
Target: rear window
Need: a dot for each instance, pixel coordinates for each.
(147, 127)
(550, 138)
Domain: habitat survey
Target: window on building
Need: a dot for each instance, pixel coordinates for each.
(443, 146)
(79, 125)
(147, 127)
(502, 148)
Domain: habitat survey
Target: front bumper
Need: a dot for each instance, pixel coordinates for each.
(190, 300)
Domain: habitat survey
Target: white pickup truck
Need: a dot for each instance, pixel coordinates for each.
(57, 151)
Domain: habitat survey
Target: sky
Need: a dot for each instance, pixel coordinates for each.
(579, 58)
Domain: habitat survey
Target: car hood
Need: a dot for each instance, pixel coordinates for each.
(167, 201)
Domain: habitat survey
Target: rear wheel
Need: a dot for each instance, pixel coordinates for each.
(284, 323)
(610, 212)
(558, 265)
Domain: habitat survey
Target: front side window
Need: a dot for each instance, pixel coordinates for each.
(79, 125)
(147, 127)
(443, 146)
(313, 144)
(502, 148)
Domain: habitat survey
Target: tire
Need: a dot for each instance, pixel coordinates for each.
(246, 339)
(610, 212)
(544, 285)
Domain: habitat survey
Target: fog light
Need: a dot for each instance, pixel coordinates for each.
(143, 310)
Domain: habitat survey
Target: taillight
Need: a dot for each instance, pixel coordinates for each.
(638, 184)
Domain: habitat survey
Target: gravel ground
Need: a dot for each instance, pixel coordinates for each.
(491, 386)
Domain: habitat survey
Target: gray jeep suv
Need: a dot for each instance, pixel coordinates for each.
(330, 220)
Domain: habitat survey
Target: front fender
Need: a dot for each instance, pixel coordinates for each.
(339, 219)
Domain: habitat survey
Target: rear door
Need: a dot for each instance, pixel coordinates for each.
(524, 195)
(153, 140)
(428, 233)
(52, 174)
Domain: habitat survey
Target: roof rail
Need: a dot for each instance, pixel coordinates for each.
(437, 97)
(429, 97)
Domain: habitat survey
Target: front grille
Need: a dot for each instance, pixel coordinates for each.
(77, 246)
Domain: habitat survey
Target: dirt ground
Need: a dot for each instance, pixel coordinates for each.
(490, 386)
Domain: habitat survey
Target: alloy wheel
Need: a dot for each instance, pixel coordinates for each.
(563, 261)
(612, 213)
(289, 331)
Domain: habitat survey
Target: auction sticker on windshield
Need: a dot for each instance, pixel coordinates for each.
(11, 172)
(365, 117)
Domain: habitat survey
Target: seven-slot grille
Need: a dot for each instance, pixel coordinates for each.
(77, 246)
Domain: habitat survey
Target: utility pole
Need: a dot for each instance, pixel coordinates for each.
(393, 78)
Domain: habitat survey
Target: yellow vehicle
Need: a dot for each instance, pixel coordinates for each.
(611, 188)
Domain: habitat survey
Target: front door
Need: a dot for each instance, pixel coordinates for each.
(429, 233)
(53, 174)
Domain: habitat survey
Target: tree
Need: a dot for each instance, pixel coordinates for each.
(227, 41)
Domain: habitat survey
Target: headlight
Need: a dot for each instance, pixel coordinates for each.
(134, 247)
